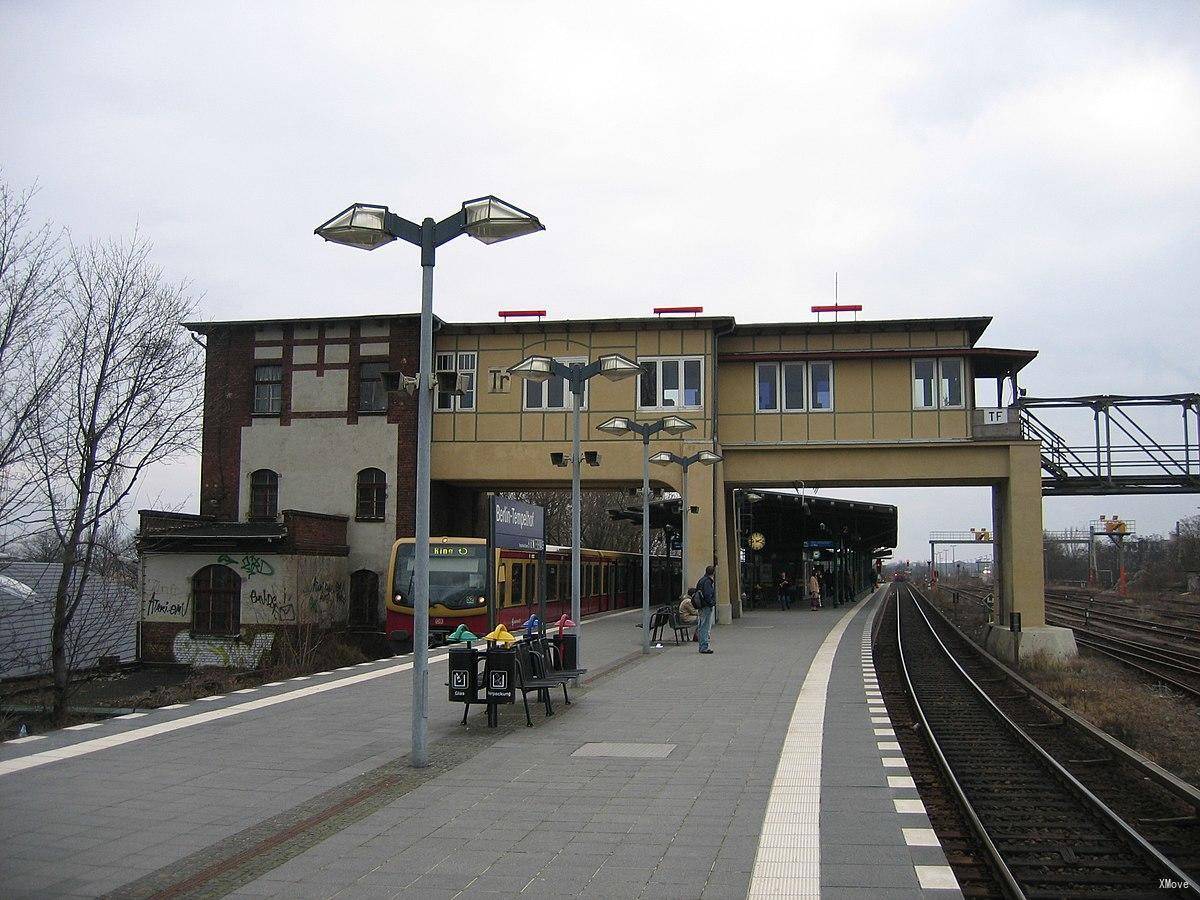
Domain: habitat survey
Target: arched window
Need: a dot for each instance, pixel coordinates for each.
(216, 601)
(371, 496)
(264, 494)
(364, 598)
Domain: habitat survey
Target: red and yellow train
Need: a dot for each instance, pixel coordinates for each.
(459, 588)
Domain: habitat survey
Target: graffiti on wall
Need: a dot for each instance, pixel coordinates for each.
(269, 606)
(157, 606)
(215, 651)
(326, 599)
(250, 564)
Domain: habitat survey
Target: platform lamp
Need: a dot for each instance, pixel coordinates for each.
(645, 430)
(367, 226)
(667, 458)
(539, 369)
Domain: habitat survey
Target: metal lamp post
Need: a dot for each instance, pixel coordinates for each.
(645, 430)
(367, 226)
(542, 368)
(667, 458)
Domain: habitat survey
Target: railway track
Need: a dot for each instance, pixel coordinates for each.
(1046, 833)
(1173, 660)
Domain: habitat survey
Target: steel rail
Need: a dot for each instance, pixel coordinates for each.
(1008, 881)
(1133, 664)
(1056, 769)
(1174, 785)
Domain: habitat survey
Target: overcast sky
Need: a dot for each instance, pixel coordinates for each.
(1039, 163)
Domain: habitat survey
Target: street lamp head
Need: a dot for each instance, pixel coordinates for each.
(491, 220)
(708, 458)
(362, 225)
(663, 458)
(534, 368)
(616, 367)
(676, 425)
(615, 425)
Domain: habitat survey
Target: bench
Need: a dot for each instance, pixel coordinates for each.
(533, 674)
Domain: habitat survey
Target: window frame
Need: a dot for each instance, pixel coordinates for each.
(275, 396)
(543, 388)
(683, 360)
(372, 410)
(232, 593)
(962, 382)
(808, 388)
(456, 403)
(780, 368)
(772, 367)
(377, 503)
(935, 386)
(252, 514)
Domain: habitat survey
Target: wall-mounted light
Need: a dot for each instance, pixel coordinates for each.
(558, 459)
(591, 457)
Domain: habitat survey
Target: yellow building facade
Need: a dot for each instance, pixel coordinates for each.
(873, 403)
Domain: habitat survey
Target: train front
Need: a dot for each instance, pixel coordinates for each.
(458, 589)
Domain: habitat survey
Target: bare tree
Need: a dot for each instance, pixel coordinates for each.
(31, 276)
(130, 397)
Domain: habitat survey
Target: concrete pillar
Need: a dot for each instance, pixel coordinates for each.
(725, 553)
(1017, 564)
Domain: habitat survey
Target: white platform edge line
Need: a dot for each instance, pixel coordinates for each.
(83, 748)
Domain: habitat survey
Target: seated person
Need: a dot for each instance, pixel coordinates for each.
(687, 611)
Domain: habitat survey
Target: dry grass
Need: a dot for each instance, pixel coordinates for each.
(1154, 720)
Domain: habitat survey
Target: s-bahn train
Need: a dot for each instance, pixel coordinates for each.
(459, 590)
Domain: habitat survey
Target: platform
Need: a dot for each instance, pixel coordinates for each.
(764, 769)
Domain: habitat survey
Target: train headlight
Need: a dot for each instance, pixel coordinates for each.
(481, 600)
(399, 598)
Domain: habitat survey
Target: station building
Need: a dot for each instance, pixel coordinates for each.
(307, 455)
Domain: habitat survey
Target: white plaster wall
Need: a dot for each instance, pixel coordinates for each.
(268, 352)
(320, 393)
(276, 589)
(318, 461)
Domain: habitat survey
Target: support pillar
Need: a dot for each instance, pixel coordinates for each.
(1017, 564)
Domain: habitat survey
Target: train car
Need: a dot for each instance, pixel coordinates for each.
(459, 588)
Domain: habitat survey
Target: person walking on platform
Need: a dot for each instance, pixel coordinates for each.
(785, 591)
(814, 591)
(706, 601)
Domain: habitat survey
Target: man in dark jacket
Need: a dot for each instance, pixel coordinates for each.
(706, 602)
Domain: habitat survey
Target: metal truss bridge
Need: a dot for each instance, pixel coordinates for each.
(1132, 447)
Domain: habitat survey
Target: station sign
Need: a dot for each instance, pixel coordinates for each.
(819, 545)
(992, 415)
(517, 525)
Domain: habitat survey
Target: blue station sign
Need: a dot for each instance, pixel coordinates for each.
(517, 525)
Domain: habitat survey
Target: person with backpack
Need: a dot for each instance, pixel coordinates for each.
(705, 599)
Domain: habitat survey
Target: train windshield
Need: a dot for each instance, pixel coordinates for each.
(457, 575)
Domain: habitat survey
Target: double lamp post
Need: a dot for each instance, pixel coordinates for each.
(367, 226)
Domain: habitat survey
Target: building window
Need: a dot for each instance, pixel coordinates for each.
(518, 584)
(264, 494)
(268, 390)
(371, 394)
(820, 382)
(457, 364)
(216, 601)
(768, 387)
(671, 382)
(781, 386)
(924, 378)
(364, 598)
(952, 383)
(371, 496)
(553, 393)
